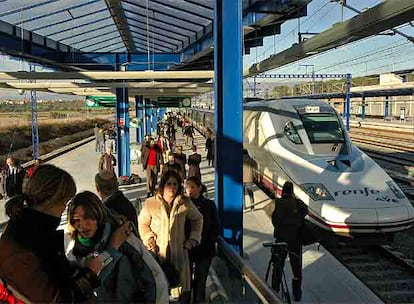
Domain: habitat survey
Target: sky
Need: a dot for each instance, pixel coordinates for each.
(379, 54)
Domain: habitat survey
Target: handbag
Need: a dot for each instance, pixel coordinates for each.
(172, 274)
(306, 235)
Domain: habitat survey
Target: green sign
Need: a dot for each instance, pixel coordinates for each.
(135, 122)
(173, 102)
(100, 101)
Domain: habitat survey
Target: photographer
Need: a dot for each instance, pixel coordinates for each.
(288, 220)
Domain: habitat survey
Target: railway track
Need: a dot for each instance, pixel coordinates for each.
(391, 145)
(403, 141)
(385, 271)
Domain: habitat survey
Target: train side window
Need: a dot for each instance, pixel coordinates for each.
(292, 134)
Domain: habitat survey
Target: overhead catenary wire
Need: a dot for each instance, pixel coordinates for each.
(148, 38)
(294, 29)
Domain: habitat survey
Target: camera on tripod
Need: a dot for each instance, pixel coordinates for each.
(275, 267)
(276, 247)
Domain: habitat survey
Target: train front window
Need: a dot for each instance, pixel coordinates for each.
(323, 128)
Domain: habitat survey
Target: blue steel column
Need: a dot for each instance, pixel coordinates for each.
(154, 119)
(123, 132)
(228, 64)
(138, 115)
(148, 116)
(348, 99)
(144, 117)
(363, 108)
(386, 110)
(35, 125)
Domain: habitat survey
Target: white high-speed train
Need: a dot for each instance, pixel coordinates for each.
(305, 142)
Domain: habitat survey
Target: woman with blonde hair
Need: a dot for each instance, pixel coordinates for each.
(130, 273)
(162, 227)
(33, 267)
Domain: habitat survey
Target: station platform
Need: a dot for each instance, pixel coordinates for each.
(392, 123)
(325, 280)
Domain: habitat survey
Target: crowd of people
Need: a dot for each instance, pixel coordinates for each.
(163, 154)
(108, 251)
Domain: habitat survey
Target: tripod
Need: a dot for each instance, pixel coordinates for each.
(277, 262)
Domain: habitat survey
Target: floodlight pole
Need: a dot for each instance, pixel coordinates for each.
(35, 125)
(348, 99)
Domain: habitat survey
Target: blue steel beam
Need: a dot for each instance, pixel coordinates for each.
(118, 15)
(229, 119)
(262, 22)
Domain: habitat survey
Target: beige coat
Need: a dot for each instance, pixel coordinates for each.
(169, 232)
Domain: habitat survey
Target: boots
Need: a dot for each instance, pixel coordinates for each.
(297, 290)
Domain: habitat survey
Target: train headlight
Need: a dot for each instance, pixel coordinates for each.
(317, 192)
(395, 189)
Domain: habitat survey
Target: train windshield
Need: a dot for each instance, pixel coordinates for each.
(323, 128)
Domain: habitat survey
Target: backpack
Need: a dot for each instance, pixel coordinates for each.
(7, 296)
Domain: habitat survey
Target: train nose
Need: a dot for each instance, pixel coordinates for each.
(393, 215)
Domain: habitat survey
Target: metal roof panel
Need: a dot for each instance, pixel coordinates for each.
(158, 24)
(171, 10)
(89, 34)
(128, 7)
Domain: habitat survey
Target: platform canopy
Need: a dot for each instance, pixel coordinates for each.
(76, 35)
(146, 83)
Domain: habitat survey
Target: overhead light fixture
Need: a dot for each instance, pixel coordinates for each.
(312, 53)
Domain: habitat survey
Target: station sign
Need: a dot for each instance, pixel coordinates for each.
(173, 102)
(100, 101)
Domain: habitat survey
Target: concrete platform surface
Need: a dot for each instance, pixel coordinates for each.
(325, 280)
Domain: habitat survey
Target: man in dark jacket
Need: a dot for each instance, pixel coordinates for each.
(107, 160)
(288, 219)
(181, 159)
(107, 188)
(152, 162)
(171, 165)
(14, 178)
(194, 161)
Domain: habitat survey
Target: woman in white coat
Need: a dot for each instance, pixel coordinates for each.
(162, 227)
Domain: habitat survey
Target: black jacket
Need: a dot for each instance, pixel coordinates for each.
(211, 229)
(210, 148)
(14, 182)
(121, 205)
(171, 167)
(288, 218)
(32, 260)
(181, 159)
(194, 161)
